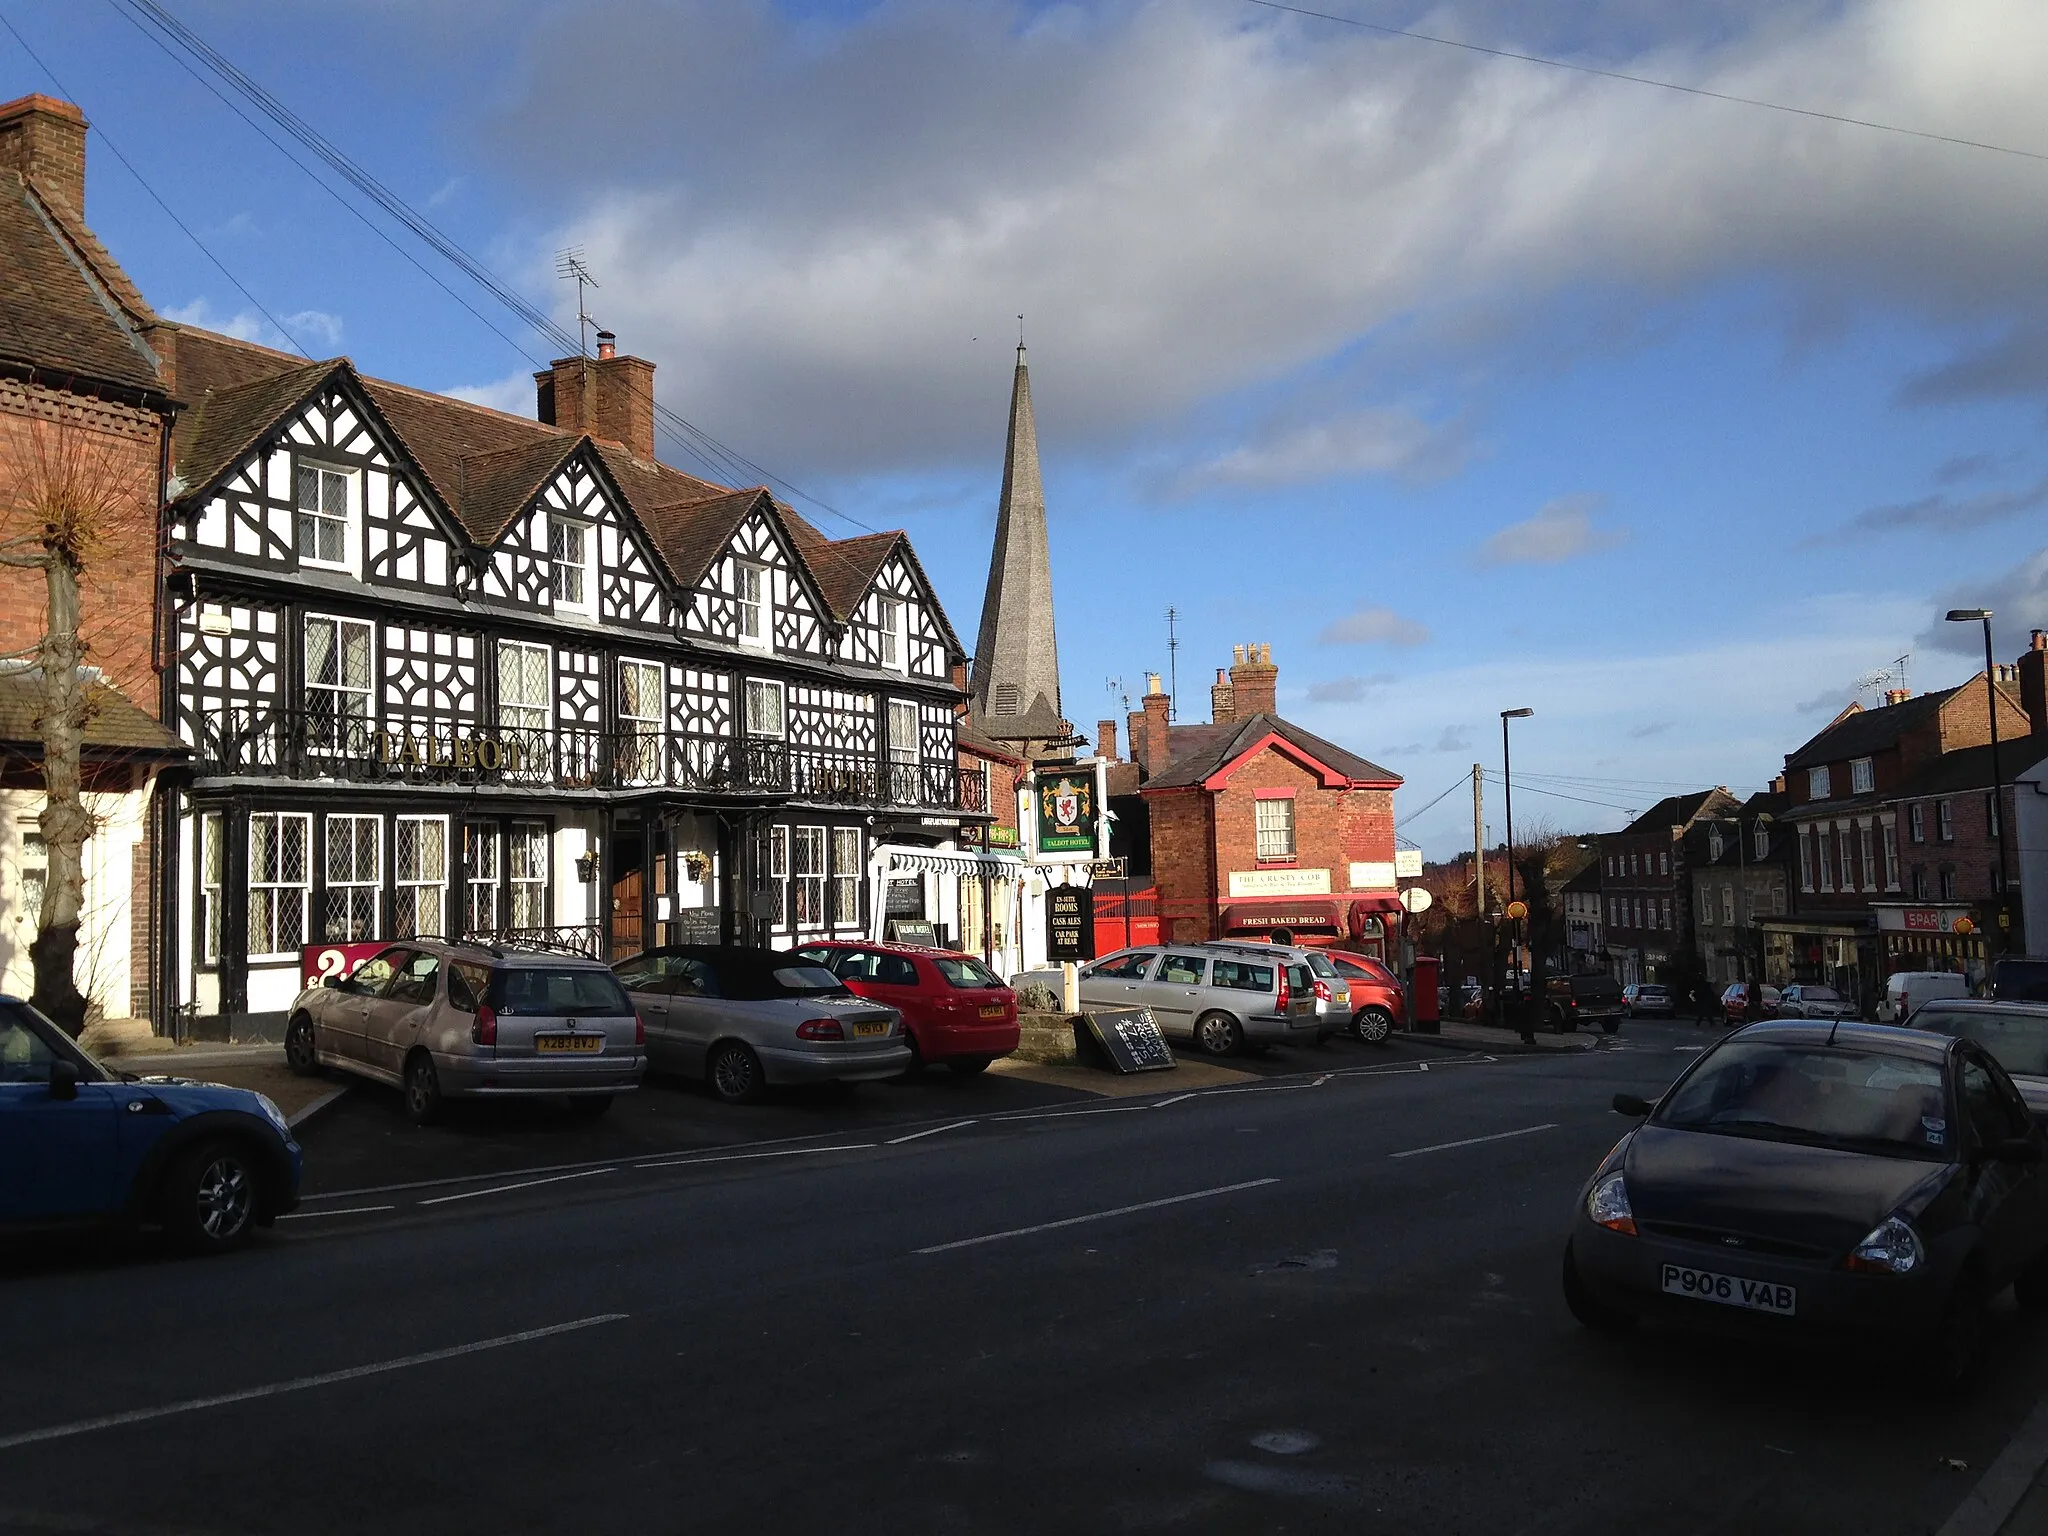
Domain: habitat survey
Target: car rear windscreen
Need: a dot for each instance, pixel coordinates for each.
(2018, 1040)
(963, 972)
(560, 991)
(1595, 986)
(750, 981)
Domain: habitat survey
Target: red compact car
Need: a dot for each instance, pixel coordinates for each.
(955, 1010)
(1377, 1002)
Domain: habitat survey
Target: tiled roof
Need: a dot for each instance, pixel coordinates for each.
(222, 425)
(1200, 750)
(1679, 810)
(56, 309)
(113, 722)
(845, 568)
(1969, 768)
(1864, 731)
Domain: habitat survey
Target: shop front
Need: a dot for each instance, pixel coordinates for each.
(1932, 938)
(1841, 953)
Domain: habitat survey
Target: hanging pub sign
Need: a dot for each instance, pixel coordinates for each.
(1066, 813)
(1070, 923)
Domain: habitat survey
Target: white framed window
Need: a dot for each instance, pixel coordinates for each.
(212, 857)
(338, 661)
(35, 873)
(526, 862)
(324, 520)
(778, 872)
(808, 872)
(1664, 862)
(756, 609)
(1805, 859)
(1714, 845)
(526, 686)
(1916, 821)
(1761, 833)
(480, 877)
(1664, 906)
(1948, 885)
(355, 877)
(1867, 849)
(1728, 905)
(1945, 820)
(1633, 869)
(889, 619)
(1888, 833)
(846, 873)
(1818, 783)
(1824, 840)
(1846, 836)
(1275, 827)
(764, 708)
(1862, 777)
(903, 752)
(642, 702)
(279, 887)
(571, 582)
(420, 863)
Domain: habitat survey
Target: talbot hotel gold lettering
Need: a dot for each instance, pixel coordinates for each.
(460, 753)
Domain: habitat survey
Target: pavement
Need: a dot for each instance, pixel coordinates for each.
(1317, 1300)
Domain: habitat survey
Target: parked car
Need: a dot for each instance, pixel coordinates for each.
(1810, 1000)
(1806, 1179)
(80, 1143)
(1221, 999)
(955, 1010)
(1333, 992)
(1648, 999)
(1905, 991)
(443, 1020)
(1378, 1004)
(1570, 1001)
(746, 1020)
(2015, 1033)
(1735, 1001)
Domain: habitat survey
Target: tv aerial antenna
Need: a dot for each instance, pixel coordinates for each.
(569, 264)
(1173, 663)
(1886, 678)
(1116, 690)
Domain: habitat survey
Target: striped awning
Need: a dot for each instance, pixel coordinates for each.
(932, 861)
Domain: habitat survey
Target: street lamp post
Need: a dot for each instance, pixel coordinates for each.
(1507, 776)
(1983, 616)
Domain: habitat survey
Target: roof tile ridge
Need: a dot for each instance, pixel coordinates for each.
(239, 343)
(71, 224)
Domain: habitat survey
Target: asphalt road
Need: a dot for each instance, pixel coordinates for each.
(1286, 1306)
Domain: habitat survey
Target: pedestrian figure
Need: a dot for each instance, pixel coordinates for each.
(1752, 1002)
(1704, 1002)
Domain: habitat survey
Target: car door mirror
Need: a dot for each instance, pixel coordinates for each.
(1629, 1104)
(2017, 1149)
(63, 1080)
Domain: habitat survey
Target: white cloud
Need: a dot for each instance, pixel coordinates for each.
(513, 394)
(1374, 626)
(1360, 442)
(1349, 689)
(314, 329)
(2017, 597)
(1561, 530)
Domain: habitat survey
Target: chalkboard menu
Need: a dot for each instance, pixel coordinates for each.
(1129, 1039)
(694, 925)
(913, 930)
(1070, 923)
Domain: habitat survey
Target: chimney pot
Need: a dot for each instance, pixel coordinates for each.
(1222, 703)
(1152, 685)
(1237, 655)
(1254, 682)
(607, 345)
(609, 396)
(1158, 751)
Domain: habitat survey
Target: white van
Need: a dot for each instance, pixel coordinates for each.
(1905, 991)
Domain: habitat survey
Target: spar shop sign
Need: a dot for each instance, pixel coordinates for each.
(1066, 813)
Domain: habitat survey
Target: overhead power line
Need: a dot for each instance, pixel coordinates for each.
(1456, 784)
(1535, 789)
(1662, 85)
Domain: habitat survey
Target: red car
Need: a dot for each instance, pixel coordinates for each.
(1377, 1002)
(955, 1010)
(1735, 1003)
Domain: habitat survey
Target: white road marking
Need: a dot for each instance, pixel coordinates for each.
(504, 1189)
(897, 1141)
(316, 1106)
(1473, 1141)
(299, 1384)
(354, 1210)
(1178, 1098)
(1075, 1221)
(1683, 1048)
(742, 1157)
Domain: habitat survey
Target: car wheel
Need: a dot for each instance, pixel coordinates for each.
(1373, 1025)
(1609, 1026)
(1218, 1034)
(590, 1106)
(208, 1204)
(300, 1052)
(1590, 1311)
(422, 1090)
(969, 1066)
(1948, 1355)
(733, 1073)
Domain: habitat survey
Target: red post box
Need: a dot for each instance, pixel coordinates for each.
(1423, 1013)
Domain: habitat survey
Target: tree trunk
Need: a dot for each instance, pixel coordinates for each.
(65, 823)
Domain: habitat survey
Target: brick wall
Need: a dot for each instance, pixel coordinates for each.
(118, 592)
(1968, 856)
(1183, 862)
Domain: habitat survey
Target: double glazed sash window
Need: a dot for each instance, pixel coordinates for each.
(480, 861)
(338, 656)
(750, 589)
(320, 533)
(1275, 820)
(355, 877)
(903, 765)
(640, 711)
(846, 873)
(808, 869)
(527, 861)
(420, 861)
(279, 887)
(569, 563)
(1890, 835)
(889, 617)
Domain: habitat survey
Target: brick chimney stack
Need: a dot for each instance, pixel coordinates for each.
(1158, 753)
(1254, 682)
(2033, 670)
(608, 396)
(1897, 695)
(1105, 740)
(1222, 699)
(44, 139)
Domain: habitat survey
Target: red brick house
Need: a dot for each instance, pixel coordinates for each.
(1258, 828)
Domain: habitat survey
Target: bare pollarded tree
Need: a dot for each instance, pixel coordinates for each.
(66, 502)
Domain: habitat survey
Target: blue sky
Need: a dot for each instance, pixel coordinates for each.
(1463, 383)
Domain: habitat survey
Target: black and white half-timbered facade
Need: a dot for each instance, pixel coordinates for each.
(446, 670)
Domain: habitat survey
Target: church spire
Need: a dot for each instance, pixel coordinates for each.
(1015, 691)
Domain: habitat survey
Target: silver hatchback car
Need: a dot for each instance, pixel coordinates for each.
(1333, 990)
(440, 1019)
(1221, 997)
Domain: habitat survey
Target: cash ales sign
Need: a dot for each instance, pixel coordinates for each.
(1066, 813)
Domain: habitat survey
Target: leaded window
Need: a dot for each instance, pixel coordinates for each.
(279, 888)
(420, 862)
(903, 752)
(480, 877)
(808, 871)
(338, 659)
(846, 873)
(211, 861)
(764, 708)
(355, 877)
(527, 863)
(641, 705)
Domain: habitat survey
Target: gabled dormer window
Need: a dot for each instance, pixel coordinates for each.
(324, 531)
(1862, 777)
(756, 609)
(1817, 783)
(889, 619)
(570, 580)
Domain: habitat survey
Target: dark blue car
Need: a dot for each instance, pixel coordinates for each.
(80, 1143)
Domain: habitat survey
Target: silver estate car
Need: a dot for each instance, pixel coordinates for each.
(1222, 997)
(1332, 989)
(441, 1019)
(746, 1020)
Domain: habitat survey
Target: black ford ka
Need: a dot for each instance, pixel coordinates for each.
(1840, 1180)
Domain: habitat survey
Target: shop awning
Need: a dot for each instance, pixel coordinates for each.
(1264, 917)
(932, 861)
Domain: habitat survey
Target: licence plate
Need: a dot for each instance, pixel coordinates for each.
(576, 1044)
(863, 1031)
(991, 1010)
(1730, 1290)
